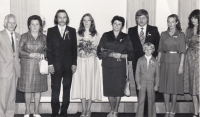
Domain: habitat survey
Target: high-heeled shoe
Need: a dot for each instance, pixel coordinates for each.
(88, 114)
(36, 115)
(27, 115)
(82, 114)
(110, 114)
(171, 114)
(115, 114)
(167, 114)
(194, 115)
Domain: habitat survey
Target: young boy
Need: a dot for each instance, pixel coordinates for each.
(147, 79)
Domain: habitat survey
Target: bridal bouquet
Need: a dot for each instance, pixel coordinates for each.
(86, 48)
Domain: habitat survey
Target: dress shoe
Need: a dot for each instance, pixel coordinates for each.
(55, 116)
(64, 115)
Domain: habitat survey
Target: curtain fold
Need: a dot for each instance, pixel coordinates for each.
(134, 5)
(185, 7)
(23, 9)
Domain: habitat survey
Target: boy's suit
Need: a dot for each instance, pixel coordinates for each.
(147, 79)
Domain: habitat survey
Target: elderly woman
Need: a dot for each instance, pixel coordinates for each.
(32, 45)
(191, 65)
(171, 56)
(114, 47)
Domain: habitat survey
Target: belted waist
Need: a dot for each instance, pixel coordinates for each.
(171, 52)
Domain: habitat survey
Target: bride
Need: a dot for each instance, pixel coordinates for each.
(86, 84)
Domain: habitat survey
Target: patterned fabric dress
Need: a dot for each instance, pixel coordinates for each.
(31, 80)
(191, 64)
(87, 81)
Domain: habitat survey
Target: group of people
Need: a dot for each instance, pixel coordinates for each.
(168, 63)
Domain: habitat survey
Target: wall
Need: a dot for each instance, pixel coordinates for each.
(4, 10)
(163, 9)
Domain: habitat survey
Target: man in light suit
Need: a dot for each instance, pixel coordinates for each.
(9, 66)
(147, 79)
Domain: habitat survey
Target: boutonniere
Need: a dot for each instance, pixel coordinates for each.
(151, 62)
(148, 34)
(175, 37)
(17, 39)
(66, 33)
(120, 40)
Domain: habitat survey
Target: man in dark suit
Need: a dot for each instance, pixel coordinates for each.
(141, 34)
(62, 59)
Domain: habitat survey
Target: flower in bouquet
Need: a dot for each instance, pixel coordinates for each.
(86, 48)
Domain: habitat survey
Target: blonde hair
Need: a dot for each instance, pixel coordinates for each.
(7, 17)
(148, 44)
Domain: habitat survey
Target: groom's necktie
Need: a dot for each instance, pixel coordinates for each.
(142, 38)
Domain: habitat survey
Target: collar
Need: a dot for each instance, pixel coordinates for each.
(9, 32)
(176, 32)
(148, 57)
(144, 27)
(59, 27)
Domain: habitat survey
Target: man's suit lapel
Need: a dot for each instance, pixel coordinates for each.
(16, 42)
(147, 31)
(57, 32)
(7, 39)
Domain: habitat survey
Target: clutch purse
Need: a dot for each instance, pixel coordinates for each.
(127, 91)
(43, 65)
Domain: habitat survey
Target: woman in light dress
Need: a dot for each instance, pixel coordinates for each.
(86, 84)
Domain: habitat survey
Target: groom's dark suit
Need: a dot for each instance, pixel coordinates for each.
(62, 54)
(152, 35)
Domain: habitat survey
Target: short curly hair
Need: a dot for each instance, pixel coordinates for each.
(119, 18)
(34, 17)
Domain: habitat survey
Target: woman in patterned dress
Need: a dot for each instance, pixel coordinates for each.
(86, 84)
(32, 82)
(171, 57)
(191, 65)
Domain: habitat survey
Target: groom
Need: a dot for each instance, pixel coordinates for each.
(62, 59)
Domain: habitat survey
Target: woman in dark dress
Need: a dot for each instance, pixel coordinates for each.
(32, 82)
(191, 64)
(171, 56)
(114, 47)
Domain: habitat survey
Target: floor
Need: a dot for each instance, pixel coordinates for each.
(105, 115)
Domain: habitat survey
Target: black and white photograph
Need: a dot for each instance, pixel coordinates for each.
(99, 58)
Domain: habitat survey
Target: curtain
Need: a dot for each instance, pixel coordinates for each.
(134, 5)
(23, 9)
(185, 7)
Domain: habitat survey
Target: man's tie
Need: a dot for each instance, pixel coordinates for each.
(13, 45)
(142, 39)
(62, 32)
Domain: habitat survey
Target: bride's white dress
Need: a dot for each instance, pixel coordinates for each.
(86, 81)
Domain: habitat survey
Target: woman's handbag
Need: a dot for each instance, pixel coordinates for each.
(127, 91)
(43, 65)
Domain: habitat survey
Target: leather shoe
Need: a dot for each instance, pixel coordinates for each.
(55, 116)
(64, 115)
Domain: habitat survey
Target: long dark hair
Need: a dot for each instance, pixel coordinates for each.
(194, 14)
(92, 29)
(178, 25)
(56, 16)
